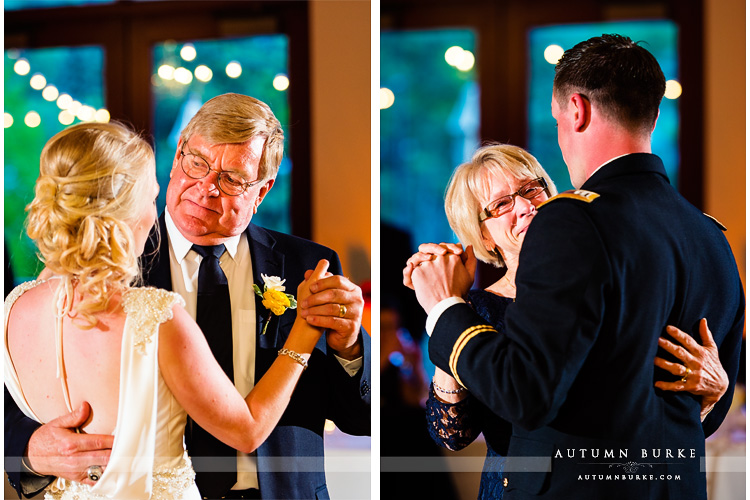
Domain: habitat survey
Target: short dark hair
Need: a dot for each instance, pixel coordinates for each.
(616, 74)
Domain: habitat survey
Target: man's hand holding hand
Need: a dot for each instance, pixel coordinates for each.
(337, 305)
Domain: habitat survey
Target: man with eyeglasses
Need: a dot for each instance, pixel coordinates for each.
(226, 163)
(603, 270)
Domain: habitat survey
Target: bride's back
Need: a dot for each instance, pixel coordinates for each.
(93, 207)
(91, 358)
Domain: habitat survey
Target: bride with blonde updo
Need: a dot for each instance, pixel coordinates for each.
(93, 179)
(83, 334)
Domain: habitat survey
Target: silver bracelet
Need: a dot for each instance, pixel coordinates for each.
(295, 356)
(446, 391)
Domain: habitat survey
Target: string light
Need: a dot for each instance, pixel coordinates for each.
(38, 82)
(673, 90)
(281, 82)
(188, 52)
(183, 76)
(166, 72)
(32, 119)
(22, 67)
(50, 93)
(553, 53)
(234, 70)
(70, 109)
(204, 73)
(386, 98)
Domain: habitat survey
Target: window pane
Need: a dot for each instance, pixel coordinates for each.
(185, 75)
(431, 126)
(45, 90)
(660, 39)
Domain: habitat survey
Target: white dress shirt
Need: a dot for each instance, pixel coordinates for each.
(237, 266)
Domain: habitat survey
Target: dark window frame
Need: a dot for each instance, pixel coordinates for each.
(127, 31)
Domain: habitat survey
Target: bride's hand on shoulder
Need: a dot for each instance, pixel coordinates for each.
(698, 365)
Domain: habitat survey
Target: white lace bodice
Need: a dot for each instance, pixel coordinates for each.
(148, 457)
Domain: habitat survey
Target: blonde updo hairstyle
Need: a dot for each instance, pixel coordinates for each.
(236, 118)
(94, 178)
(470, 183)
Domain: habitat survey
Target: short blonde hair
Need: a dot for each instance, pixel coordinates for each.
(469, 183)
(93, 180)
(237, 118)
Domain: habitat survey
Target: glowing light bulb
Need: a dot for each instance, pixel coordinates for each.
(102, 116)
(673, 90)
(281, 82)
(466, 62)
(66, 117)
(32, 119)
(553, 53)
(50, 93)
(183, 76)
(86, 113)
(204, 73)
(22, 67)
(386, 98)
(454, 55)
(64, 101)
(234, 70)
(187, 52)
(166, 72)
(38, 82)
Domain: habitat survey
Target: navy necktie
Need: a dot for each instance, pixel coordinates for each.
(214, 461)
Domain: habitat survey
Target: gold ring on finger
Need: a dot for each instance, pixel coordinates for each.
(342, 310)
(688, 371)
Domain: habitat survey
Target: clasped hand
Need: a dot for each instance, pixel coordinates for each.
(336, 304)
(440, 271)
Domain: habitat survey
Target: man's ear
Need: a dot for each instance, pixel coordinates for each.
(581, 112)
(262, 194)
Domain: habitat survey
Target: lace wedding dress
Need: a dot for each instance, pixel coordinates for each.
(148, 458)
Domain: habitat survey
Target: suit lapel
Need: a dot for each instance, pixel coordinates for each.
(155, 259)
(269, 261)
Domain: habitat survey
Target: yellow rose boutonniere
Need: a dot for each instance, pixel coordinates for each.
(274, 298)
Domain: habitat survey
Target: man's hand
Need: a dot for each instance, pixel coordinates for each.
(448, 274)
(332, 296)
(55, 449)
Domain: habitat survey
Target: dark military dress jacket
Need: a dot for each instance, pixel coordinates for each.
(602, 272)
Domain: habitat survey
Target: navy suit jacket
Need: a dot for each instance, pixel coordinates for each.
(290, 461)
(574, 370)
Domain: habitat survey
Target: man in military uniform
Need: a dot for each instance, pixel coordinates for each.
(603, 271)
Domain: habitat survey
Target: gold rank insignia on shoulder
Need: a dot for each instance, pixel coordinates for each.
(575, 194)
(721, 226)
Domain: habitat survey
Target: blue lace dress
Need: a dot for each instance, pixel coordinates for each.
(455, 426)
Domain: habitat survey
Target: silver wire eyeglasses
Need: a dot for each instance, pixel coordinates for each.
(230, 183)
(505, 204)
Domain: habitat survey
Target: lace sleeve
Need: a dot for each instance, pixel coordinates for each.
(450, 424)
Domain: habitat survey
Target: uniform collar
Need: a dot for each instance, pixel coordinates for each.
(626, 165)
